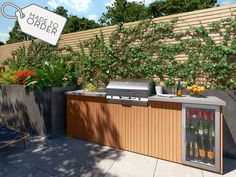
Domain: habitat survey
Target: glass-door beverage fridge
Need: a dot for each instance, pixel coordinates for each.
(201, 136)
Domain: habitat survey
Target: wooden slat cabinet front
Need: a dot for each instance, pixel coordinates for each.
(165, 131)
(86, 120)
(92, 119)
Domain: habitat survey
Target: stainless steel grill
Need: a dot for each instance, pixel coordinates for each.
(129, 92)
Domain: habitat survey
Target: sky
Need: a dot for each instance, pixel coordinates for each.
(91, 9)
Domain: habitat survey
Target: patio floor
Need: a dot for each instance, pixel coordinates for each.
(62, 157)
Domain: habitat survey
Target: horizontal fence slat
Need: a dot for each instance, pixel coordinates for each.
(185, 20)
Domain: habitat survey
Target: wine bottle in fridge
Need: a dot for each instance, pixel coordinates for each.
(196, 151)
(201, 136)
(210, 152)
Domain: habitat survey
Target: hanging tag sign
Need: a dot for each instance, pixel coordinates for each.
(41, 23)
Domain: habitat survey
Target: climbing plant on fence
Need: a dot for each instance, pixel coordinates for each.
(35, 55)
(150, 50)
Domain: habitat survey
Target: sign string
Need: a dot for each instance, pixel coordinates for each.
(37, 21)
(12, 5)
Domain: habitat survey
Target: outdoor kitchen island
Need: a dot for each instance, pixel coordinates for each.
(185, 130)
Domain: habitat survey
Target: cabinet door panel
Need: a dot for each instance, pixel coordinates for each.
(129, 125)
(165, 133)
(137, 129)
(76, 117)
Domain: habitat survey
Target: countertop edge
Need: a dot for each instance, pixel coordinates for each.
(210, 100)
(83, 93)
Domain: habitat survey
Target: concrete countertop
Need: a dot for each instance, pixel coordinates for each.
(209, 100)
(85, 93)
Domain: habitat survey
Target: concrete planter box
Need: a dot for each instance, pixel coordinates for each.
(229, 121)
(229, 114)
(40, 113)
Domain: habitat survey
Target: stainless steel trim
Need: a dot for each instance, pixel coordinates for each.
(215, 168)
(184, 132)
(135, 84)
(127, 102)
(201, 166)
(126, 98)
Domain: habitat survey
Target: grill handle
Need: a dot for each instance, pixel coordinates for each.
(126, 102)
(126, 93)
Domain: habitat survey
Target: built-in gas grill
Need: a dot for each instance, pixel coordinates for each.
(129, 92)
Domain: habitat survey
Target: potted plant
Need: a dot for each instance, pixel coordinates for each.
(158, 86)
(90, 87)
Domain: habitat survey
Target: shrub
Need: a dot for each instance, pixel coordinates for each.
(7, 77)
(41, 65)
(56, 73)
(140, 51)
(22, 76)
(35, 55)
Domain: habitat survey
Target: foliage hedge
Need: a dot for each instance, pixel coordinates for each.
(148, 50)
(49, 65)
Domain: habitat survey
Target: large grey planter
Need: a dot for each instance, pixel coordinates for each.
(40, 113)
(229, 121)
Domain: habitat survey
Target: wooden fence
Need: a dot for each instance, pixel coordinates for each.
(185, 20)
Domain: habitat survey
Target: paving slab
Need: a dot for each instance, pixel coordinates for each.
(210, 174)
(63, 157)
(28, 172)
(229, 169)
(68, 157)
(186, 171)
(229, 165)
(5, 169)
(166, 169)
(133, 165)
(95, 163)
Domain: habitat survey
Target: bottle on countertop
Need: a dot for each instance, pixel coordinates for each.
(179, 88)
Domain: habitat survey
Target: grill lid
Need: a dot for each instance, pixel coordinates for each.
(129, 92)
(135, 84)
